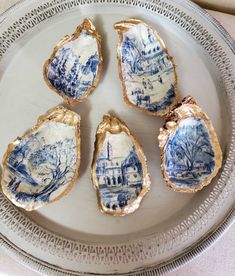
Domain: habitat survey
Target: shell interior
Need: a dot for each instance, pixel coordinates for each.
(190, 150)
(189, 156)
(74, 68)
(146, 69)
(39, 167)
(119, 173)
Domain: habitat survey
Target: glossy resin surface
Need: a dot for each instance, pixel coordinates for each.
(146, 69)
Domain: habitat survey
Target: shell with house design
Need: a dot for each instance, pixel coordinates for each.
(146, 69)
(119, 170)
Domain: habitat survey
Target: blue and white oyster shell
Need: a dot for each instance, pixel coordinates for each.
(190, 150)
(119, 170)
(74, 68)
(146, 70)
(41, 166)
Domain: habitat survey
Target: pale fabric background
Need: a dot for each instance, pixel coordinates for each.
(219, 260)
(218, 5)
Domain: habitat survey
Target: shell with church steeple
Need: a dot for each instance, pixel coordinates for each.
(146, 69)
(74, 68)
(119, 170)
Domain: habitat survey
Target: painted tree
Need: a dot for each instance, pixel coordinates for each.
(91, 65)
(57, 70)
(53, 165)
(130, 55)
(190, 144)
(72, 78)
(17, 163)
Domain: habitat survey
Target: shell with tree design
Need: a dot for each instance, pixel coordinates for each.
(42, 165)
(74, 68)
(190, 151)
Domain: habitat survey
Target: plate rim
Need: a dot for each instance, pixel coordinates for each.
(179, 260)
(183, 258)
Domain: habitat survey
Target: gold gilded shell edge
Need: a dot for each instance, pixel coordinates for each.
(121, 28)
(188, 108)
(90, 28)
(73, 119)
(114, 125)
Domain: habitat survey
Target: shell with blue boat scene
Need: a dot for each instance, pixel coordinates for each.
(119, 170)
(147, 71)
(41, 166)
(74, 68)
(190, 151)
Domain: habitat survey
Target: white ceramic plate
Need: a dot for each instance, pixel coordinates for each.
(72, 236)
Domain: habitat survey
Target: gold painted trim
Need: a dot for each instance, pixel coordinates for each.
(113, 125)
(58, 114)
(88, 26)
(122, 27)
(188, 108)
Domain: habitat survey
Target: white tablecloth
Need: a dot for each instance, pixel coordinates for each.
(219, 260)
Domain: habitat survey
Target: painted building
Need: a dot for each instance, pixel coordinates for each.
(116, 171)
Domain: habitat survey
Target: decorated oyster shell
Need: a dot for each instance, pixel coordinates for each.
(190, 151)
(41, 166)
(119, 169)
(146, 69)
(74, 68)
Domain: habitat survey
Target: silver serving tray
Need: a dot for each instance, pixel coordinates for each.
(71, 236)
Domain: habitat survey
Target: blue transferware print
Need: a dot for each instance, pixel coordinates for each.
(43, 164)
(69, 74)
(146, 69)
(119, 172)
(189, 156)
(119, 169)
(73, 70)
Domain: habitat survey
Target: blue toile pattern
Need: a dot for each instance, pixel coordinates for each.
(147, 71)
(74, 67)
(120, 175)
(36, 169)
(189, 156)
